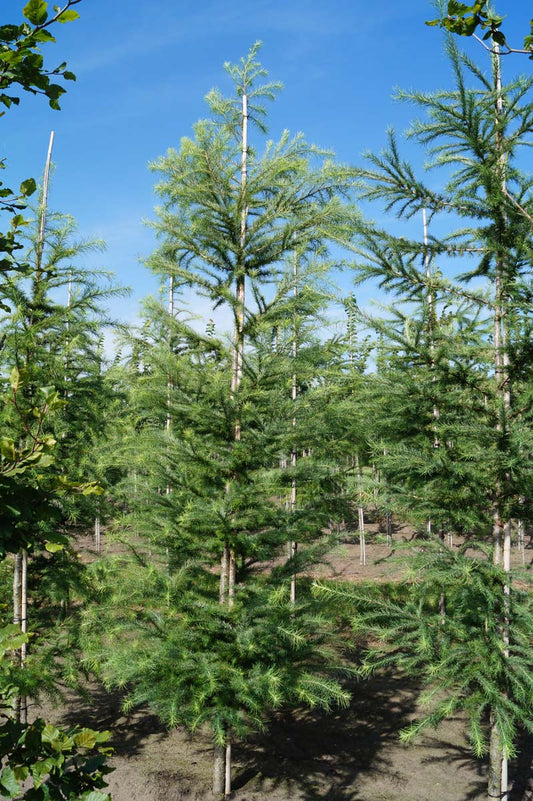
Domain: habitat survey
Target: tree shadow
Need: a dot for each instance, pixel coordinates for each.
(521, 770)
(102, 710)
(317, 756)
(459, 756)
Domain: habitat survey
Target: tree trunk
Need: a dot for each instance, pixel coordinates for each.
(227, 772)
(219, 771)
(222, 770)
(24, 627)
(494, 788)
(97, 535)
(231, 578)
(360, 513)
(501, 528)
(293, 546)
(224, 566)
(17, 613)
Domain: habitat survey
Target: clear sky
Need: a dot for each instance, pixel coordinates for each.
(143, 69)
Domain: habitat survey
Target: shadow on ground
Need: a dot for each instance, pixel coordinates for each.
(352, 754)
(102, 710)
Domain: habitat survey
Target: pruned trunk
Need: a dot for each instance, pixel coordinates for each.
(521, 540)
(224, 566)
(24, 627)
(17, 613)
(494, 784)
(97, 535)
(222, 770)
(231, 578)
(360, 512)
(498, 768)
(227, 772)
(219, 770)
(293, 546)
(293, 550)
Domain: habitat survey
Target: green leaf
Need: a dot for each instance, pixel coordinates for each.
(49, 733)
(9, 782)
(68, 16)
(85, 739)
(21, 772)
(28, 187)
(36, 11)
(95, 795)
(14, 378)
(7, 449)
(53, 547)
(498, 37)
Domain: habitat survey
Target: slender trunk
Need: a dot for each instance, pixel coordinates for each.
(67, 328)
(431, 338)
(171, 316)
(223, 583)
(44, 205)
(388, 524)
(521, 540)
(168, 423)
(360, 512)
(228, 558)
(219, 770)
(231, 578)
(293, 550)
(293, 546)
(222, 762)
(227, 772)
(97, 535)
(494, 785)
(17, 616)
(222, 770)
(501, 528)
(24, 627)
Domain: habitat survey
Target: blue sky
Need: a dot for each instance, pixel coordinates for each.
(143, 69)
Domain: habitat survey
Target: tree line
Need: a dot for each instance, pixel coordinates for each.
(224, 466)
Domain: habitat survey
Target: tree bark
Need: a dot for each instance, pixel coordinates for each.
(360, 512)
(17, 614)
(23, 627)
(501, 528)
(494, 787)
(219, 771)
(227, 772)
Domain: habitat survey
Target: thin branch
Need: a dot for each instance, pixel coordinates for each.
(517, 204)
(57, 15)
(509, 50)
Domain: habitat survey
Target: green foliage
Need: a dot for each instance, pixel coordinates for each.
(464, 20)
(60, 764)
(460, 655)
(21, 64)
(210, 450)
(20, 60)
(196, 661)
(443, 436)
(52, 764)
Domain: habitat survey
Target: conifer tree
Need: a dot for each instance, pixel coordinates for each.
(462, 366)
(231, 217)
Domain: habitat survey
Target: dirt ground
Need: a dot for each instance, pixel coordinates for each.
(350, 755)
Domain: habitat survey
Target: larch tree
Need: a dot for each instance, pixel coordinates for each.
(464, 367)
(231, 217)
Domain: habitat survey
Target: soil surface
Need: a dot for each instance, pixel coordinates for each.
(353, 754)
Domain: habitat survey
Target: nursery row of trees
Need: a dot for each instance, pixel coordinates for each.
(225, 466)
